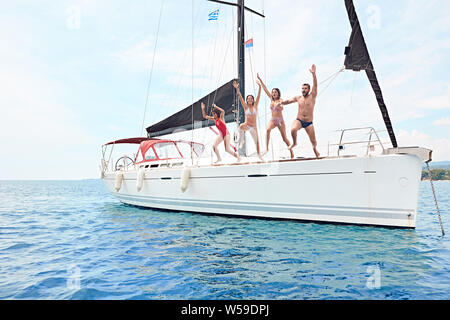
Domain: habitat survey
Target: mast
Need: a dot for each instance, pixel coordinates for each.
(241, 63)
(240, 6)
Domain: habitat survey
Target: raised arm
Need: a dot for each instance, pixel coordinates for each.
(314, 88)
(259, 93)
(204, 113)
(289, 101)
(236, 86)
(222, 112)
(220, 109)
(264, 87)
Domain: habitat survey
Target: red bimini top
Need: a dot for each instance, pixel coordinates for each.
(159, 149)
(156, 149)
(128, 140)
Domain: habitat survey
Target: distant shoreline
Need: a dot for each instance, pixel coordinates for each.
(436, 174)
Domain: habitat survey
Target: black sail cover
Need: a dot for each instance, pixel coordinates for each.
(191, 117)
(357, 58)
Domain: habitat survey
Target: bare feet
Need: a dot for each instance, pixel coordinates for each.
(317, 153)
(292, 153)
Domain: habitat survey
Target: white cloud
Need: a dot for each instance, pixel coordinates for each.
(41, 136)
(445, 122)
(440, 146)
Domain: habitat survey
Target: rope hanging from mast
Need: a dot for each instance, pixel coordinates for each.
(151, 69)
(192, 82)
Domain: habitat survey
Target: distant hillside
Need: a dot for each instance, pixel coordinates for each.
(436, 174)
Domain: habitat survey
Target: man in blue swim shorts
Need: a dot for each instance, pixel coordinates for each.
(306, 103)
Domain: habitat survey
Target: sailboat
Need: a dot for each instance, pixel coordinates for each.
(379, 189)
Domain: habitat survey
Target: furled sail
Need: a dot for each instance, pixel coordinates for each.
(357, 58)
(191, 117)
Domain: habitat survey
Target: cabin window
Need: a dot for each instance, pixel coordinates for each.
(185, 149)
(139, 157)
(167, 150)
(150, 155)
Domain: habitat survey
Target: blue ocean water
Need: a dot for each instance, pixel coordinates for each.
(73, 240)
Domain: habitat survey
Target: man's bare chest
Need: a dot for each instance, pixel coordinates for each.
(307, 103)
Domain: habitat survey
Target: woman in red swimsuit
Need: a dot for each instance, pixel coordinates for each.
(224, 135)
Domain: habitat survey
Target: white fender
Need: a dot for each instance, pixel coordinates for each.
(140, 179)
(118, 181)
(185, 176)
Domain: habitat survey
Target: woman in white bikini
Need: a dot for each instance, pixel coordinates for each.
(277, 116)
(251, 114)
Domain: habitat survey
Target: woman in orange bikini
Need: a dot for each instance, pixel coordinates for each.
(251, 115)
(224, 135)
(277, 116)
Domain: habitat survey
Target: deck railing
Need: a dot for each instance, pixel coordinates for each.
(373, 138)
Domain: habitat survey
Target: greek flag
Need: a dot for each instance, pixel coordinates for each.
(213, 15)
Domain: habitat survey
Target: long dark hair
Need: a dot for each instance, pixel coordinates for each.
(279, 92)
(250, 95)
(216, 112)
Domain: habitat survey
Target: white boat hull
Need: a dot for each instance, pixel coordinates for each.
(379, 190)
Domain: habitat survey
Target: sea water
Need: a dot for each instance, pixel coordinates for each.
(73, 240)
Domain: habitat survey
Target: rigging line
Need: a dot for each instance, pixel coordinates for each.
(253, 74)
(333, 75)
(211, 51)
(353, 90)
(265, 80)
(221, 70)
(192, 79)
(151, 69)
(213, 60)
(223, 64)
(235, 68)
(435, 199)
(169, 91)
(250, 58)
(265, 72)
(330, 79)
(204, 132)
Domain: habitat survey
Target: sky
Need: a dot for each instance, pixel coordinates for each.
(74, 74)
